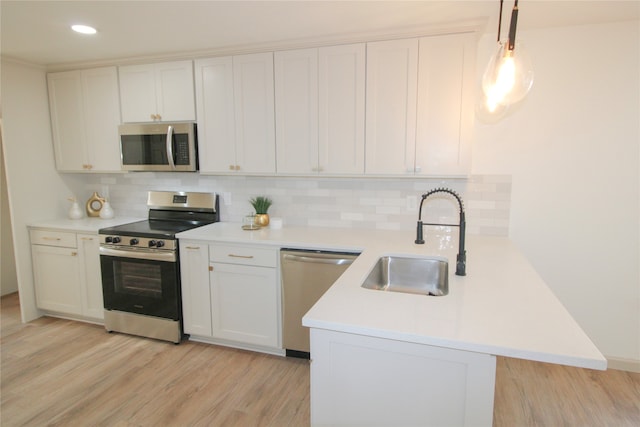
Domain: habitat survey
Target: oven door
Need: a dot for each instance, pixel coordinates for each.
(134, 282)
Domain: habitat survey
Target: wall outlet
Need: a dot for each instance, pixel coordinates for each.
(226, 198)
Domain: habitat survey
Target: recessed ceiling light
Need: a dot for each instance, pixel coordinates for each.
(84, 29)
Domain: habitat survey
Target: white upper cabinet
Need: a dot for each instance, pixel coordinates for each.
(85, 114)
(157, 92)
(254, 107)
(235, 102)
(420, 105)
(216, 114)
(445, 105)
(341, 109)
(296, 87)
(392, 83)
(320, 110)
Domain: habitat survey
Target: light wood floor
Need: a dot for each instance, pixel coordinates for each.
(66, 373)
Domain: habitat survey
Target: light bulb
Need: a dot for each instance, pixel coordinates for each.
(508, 77)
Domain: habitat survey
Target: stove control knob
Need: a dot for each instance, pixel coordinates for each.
(133, 242)
(152, 243)
(108, 239)
(116, 239)
(159, 244)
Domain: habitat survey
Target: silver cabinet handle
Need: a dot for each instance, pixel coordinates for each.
(310, 259)
(240, 256)
(170, 147)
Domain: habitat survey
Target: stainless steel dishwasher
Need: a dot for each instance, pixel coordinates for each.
(306, 276)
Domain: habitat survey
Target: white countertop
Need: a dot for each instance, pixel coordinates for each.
(82, 225)
(502, 307)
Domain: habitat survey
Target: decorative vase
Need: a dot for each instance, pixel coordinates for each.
(94, 204)
(262, 220)
(107, 211)
(74, 211)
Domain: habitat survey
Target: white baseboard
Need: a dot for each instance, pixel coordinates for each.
(623, 364)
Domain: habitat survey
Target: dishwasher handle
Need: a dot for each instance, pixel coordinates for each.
(318, 260)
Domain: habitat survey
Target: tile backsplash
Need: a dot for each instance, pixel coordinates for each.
(378, 203)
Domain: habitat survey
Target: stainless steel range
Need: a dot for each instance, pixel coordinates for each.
(141, 269)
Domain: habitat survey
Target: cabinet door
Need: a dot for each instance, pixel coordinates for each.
(67, 111)
(91, 279)
(196, 298)
(215, 108)
(392, 78)
(138, 93)
(445, 104)
(341, 109)
(245, 304)
(57, 279)
(254, 113)
(296, 96)
(174, 91)
(101, 118)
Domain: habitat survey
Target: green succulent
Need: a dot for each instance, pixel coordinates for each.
(261, 204)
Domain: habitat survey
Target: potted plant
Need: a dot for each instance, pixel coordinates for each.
(261, 205)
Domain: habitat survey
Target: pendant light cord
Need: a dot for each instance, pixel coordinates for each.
(500, 21)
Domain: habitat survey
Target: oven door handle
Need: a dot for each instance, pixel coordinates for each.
(170, 147)
(166, 256)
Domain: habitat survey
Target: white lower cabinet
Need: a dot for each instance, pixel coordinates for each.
(231, 295)
(361, 380)
(196, 303)
(244, 303)
(90, 275)
(66, 270)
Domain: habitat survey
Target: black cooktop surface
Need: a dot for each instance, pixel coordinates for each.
(152, 228)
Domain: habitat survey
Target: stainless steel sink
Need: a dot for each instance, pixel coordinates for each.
(414, 275)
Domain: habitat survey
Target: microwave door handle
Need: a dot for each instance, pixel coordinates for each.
(170, 147)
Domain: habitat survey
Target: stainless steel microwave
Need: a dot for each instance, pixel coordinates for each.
(162, 147)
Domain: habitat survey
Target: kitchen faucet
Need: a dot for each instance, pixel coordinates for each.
(461, 260)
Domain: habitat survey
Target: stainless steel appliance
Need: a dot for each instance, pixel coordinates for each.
(168, 147)
(140, 265)
(306, 276)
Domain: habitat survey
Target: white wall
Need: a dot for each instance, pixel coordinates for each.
(36, 190)
(573, 152)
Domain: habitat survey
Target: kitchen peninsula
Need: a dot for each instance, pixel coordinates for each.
(375, 354)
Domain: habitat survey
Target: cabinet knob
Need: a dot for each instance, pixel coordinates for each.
(74, 253)
(237, 167)
(210, 268)
(232, 167)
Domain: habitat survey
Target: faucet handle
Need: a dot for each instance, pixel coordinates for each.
(419, 236)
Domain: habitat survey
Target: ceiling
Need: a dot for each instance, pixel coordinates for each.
(38, 32)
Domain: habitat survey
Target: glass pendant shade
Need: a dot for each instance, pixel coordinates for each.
(507, 78)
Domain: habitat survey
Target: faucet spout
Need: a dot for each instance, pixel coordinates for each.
(461, 258)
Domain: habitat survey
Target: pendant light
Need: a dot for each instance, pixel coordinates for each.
(508, 76)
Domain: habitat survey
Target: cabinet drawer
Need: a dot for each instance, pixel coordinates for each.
(53, 238)
(245, 255)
